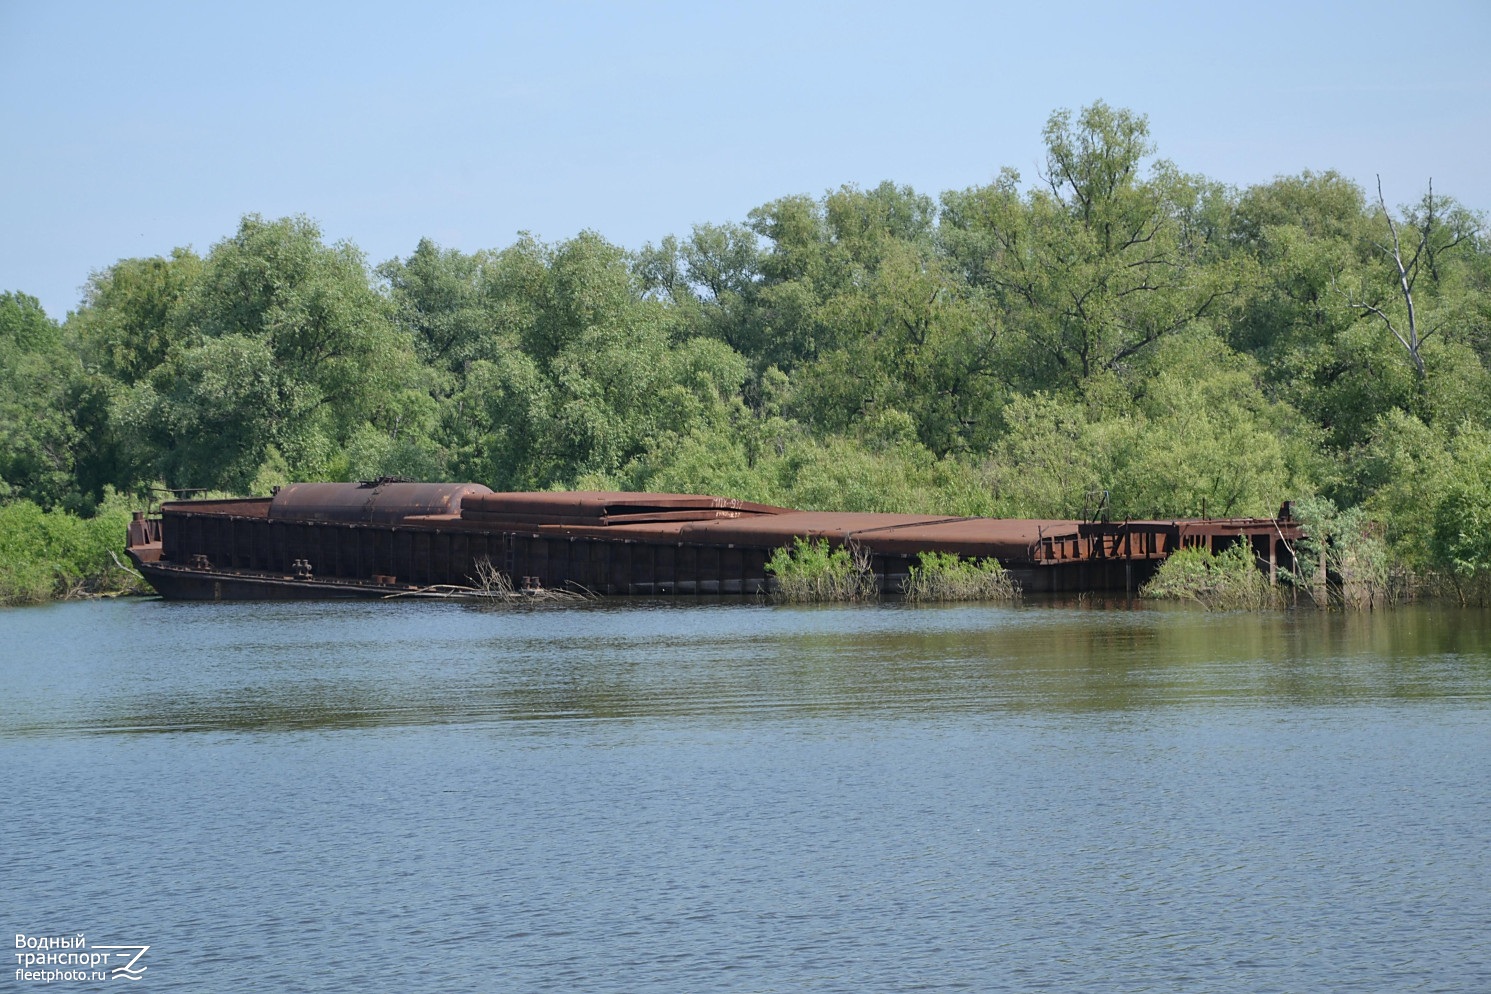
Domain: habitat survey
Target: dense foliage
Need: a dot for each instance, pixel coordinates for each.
(1229, 580)
(1115, 326)
(51, 554)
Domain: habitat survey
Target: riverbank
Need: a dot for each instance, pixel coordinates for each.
(56, 556)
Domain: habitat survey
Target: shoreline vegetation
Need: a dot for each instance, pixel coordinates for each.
(1112, 325)
(54, 555)
(1226, 581)
(813, 572)
(946, 576)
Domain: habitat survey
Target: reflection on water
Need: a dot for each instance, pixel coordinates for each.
(168, 667)
(690, 797)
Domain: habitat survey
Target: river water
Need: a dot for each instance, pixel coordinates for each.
(638, 797)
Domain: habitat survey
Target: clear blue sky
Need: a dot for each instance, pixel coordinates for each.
(131, 128)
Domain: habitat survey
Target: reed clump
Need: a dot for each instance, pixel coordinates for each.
(812, 572)
(1227, 581)
(946, 576)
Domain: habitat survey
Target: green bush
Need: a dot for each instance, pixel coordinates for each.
(1460, 541)
(1344, 557)
(47, 555)
(1227, 581)
(810, 571)
(945, 576)
(1428, 486)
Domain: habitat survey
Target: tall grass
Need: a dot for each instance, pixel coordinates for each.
(1227, 581)
(945, 576)
(54, 555)
(810, 571)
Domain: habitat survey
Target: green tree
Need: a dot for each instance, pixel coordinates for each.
(438, 301)
(1460, 540)
(594, 374)
(913, 341)
(799, 268)
(1428, 486)
(131, 314)
(711, 281)
(1300, 232)
(313, 305)
(291, 349)
(38, 435)
(1102, 263)
(1199, 438)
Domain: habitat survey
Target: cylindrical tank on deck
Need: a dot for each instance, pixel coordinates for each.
(375, 501)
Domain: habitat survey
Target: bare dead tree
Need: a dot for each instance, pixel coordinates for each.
(1408, 335)
(1437, 226)
(1441, 225)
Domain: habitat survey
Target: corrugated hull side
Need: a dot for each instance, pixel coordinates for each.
(621, 544)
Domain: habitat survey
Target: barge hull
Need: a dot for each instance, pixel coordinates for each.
(348, 543)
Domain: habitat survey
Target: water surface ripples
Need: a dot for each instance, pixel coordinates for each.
(733, 797)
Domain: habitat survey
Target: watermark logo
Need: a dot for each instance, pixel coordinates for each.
(52, 958)
(127, 971)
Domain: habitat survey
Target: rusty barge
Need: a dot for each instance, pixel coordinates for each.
(400, 539)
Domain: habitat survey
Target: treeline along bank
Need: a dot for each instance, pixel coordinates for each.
(1111, 331)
